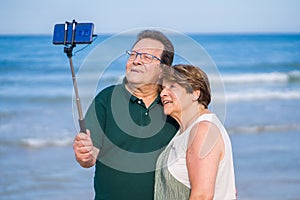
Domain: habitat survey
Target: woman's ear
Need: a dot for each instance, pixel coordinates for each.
(196, 94)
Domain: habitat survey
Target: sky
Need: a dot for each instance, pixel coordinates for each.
(113, 16)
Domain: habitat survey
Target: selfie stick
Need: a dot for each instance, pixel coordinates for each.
(68, 50)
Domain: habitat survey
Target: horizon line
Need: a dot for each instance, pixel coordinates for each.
(188, 33)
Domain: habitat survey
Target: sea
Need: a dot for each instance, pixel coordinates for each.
(255, 82)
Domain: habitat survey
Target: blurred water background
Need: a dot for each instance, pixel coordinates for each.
(261, 76)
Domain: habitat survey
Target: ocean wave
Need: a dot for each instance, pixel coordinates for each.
(257, 129)
(113, 77)
(249, 94)
(34, 77)
(88, 81)
(260, 95)
(38, 143)
(226, 78)
(46, 142)
(246, 78)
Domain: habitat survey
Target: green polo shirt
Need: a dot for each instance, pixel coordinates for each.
(130, 138)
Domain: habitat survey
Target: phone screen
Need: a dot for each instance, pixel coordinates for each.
(83, 33)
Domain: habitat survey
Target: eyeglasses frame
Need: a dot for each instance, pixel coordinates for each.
(128, 52)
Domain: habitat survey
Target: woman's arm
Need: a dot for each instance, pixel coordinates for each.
(204, 153)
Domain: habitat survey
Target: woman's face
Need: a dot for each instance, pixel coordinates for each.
(175, 99)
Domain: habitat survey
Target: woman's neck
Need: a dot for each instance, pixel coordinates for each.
(189, 116)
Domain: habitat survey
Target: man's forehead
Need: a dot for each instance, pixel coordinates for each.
(149, 44)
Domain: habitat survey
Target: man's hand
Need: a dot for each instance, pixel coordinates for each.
(85, 153)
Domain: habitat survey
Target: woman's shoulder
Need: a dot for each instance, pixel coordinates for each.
(205, 128)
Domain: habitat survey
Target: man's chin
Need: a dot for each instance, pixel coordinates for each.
(134, 81)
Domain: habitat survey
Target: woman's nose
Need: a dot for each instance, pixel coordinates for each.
(163, 92)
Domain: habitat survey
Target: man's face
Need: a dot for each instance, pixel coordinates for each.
(140, 73)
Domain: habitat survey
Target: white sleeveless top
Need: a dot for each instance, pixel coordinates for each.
(225, 182)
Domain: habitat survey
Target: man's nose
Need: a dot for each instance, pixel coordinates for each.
(138, 59)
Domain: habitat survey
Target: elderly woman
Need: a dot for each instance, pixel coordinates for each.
(198, 162)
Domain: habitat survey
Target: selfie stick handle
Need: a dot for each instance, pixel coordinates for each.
(68, 51)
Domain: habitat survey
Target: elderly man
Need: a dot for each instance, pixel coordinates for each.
(127, 128)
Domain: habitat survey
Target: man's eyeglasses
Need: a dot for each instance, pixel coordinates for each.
(145, 57)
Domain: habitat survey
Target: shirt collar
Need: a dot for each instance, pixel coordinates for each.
(134, 98)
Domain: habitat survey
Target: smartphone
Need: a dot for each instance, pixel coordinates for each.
(83, 33)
